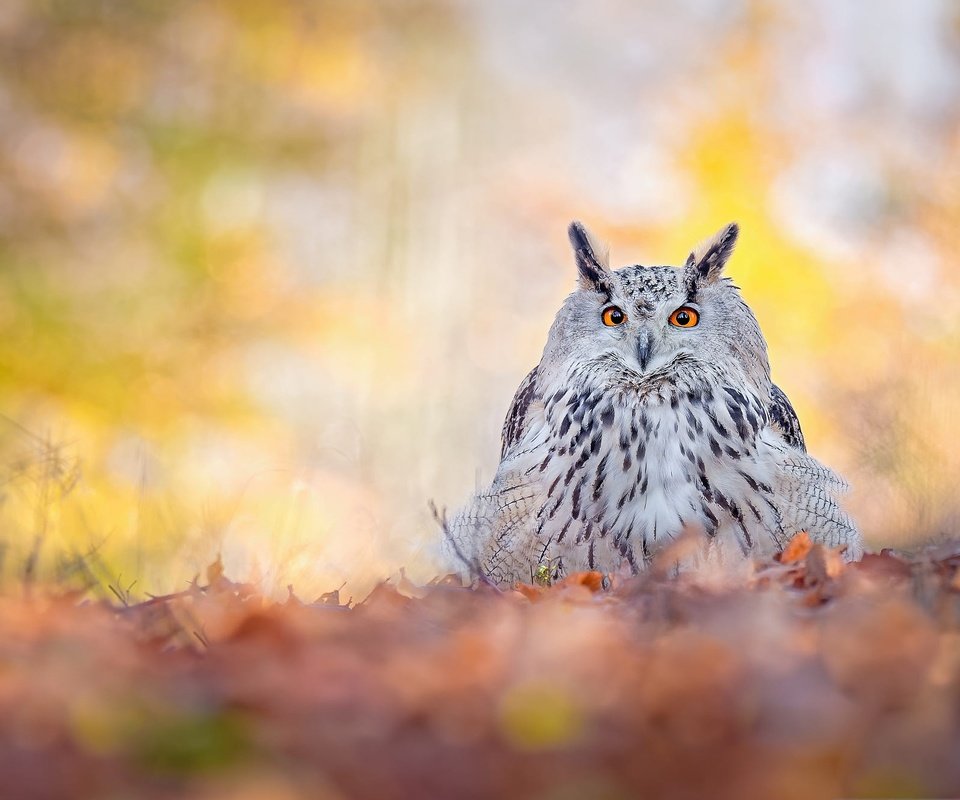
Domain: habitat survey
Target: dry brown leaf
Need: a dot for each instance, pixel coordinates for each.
(215, 572)
(530, 591)
(592, 580)
(883, 564)
(797, 548)
(670, 689)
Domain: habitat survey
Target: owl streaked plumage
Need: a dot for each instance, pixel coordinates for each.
(651, 414)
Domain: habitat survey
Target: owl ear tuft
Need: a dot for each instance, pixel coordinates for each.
(707, 261)
(591, 258)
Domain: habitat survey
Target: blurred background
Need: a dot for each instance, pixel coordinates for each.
(270, 272)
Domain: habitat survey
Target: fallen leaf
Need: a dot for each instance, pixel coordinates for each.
(797, 549)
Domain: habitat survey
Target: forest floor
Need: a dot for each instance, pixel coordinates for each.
(800, 677)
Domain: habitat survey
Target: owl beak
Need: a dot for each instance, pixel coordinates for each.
(644, 347)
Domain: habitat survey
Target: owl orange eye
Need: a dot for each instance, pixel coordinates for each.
(613, 316)
(685, 317)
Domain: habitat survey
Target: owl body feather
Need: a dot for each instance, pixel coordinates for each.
(620, 441)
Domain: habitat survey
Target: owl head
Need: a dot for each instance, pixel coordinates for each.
(645, 320)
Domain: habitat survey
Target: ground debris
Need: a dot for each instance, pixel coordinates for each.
(804, 677)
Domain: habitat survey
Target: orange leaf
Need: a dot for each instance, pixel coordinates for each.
(215, 572)
(797, 549)
(532, 593)
(593, 580)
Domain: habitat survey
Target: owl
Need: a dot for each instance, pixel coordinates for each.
(651, 415)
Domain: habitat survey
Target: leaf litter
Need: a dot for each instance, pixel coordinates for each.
(801, 677)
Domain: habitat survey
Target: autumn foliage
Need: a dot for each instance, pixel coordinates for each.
(796, 678)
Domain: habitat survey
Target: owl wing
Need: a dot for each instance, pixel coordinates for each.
(518, 417)
(784, 418)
